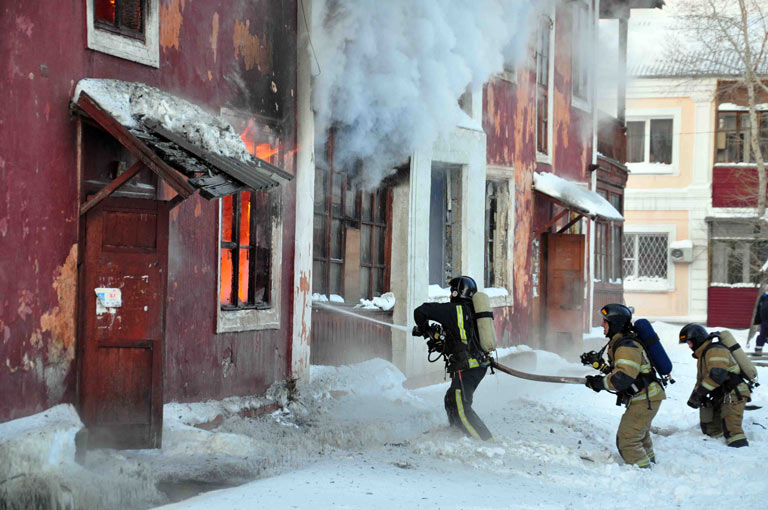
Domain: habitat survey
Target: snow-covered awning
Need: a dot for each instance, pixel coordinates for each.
(181, 142)
(574, 197)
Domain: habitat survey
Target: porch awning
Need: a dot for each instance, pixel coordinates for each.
(570, 195)
(185, 145)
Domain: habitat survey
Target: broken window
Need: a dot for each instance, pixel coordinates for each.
(542, 85)
(658, 132)
(245, 250)
(444, 225)
(125, 17)
(497, 207)
(350, 232)
(734, 137)
(581, 49)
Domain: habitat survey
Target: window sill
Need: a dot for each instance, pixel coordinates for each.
(645, 168)
(232, 321)
(647, 288)
(581, 104)
(543, 158)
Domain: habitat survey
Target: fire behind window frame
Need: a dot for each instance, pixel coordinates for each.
(117, 27)
(259, 206)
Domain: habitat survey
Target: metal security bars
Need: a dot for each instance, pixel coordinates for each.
(645, 256)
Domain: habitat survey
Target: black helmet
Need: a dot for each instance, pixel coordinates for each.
(463, 287)
(618, 317)
(694, 333)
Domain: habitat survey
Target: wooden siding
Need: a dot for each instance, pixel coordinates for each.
(734, 186)
(730, 307)
(340, 339)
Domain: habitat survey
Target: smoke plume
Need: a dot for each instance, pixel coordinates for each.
(389, 74)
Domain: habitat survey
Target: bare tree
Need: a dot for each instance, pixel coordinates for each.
(728, 38)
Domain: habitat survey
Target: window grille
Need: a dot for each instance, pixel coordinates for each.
(645, 256)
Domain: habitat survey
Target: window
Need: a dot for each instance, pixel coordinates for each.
(734, 136)
(245, 251)
(645, 258)
(125, 28)
(542, 85)
(498, 206)
(608, 248)
(581, 49)
(124, 17)
(737, 252)
(658, 133)
(444, 225)
(351, 228)
(601, 249)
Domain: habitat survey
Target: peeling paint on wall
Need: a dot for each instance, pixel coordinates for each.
(25, 304)
(59, 321)
(304, 288)
(170, 24)
(251, 48)
(215, 36)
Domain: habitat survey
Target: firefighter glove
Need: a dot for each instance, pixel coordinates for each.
(595, 382)
(697, 396)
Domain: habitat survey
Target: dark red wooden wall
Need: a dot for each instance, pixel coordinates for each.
(734, 186)
(202, 59)
(730, 307)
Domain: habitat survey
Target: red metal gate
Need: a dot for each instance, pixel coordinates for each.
(121, 347)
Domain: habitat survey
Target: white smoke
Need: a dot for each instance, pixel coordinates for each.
(389, 73)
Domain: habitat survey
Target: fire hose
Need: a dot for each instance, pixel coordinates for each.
(536, 377)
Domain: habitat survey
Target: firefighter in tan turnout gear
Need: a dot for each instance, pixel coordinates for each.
(720, 393)
(634, 383)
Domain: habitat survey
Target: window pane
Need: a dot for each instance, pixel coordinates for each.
(226, 218)
(635, 142)
(261, 275)
(381, 206)
(378, 282)
(652, 256)
(615, 254)
(661, 141)
(337, 251)
(365, 244)
(225, 295)
(629, 255)
(321, 190)
(335, 283)
(104, 10)
(244, 276)
(130, 14)
(318, 236)
(380, 236)
(336, 195)
(365, 283)
(366, 212)
(245, 218)
(350, 202)
(318, 277)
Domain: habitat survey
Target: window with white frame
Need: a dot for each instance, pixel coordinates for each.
(737, 252)
(581, 50)
(127, 29)
(445, 224)
(649, 141)
(646, 260)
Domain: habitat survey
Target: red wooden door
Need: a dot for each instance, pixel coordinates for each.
(121, 369)
(564, 310)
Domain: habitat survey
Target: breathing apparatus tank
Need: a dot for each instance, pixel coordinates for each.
(484, 318)
(745, 364)
(653, 347)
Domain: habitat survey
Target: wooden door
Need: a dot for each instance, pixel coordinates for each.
(121, 369)
(563, 315)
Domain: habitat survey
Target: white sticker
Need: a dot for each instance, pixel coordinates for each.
(109, 297)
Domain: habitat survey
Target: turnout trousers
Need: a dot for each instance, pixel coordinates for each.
(633, 438)
(458, 403)
(724, 418)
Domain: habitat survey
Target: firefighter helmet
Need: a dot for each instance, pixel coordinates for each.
(693, 333)
(463, 287)
(618, 317)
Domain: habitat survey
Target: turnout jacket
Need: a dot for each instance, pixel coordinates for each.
(716, 368)
(630, 370)
(462, 341)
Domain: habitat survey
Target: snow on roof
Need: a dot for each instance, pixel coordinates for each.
(130, 102)
(585, 201)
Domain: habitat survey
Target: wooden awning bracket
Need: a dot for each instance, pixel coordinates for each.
(551, 222)
(111, 187)
(570, 223)
(146, 156)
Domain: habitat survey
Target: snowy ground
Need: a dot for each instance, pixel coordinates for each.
(357, 439)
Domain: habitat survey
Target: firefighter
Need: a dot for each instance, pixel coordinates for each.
(466, 362)
(720, 393)
(634, 383)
